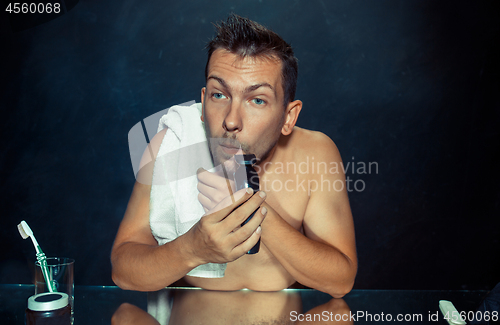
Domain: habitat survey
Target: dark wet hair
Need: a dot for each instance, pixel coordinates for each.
(247, 38)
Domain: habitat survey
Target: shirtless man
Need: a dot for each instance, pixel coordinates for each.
(304, 219)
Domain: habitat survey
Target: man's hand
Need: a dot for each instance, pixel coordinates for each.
(214, 187)
(219, 237)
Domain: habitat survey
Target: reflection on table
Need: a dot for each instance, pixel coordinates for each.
(181, 306)
(97, 304)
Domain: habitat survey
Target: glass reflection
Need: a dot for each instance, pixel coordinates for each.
(192, 306)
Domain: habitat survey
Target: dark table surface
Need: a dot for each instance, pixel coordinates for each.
(96, 304)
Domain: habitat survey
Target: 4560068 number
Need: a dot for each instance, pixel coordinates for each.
(33, 8)
(472, 316)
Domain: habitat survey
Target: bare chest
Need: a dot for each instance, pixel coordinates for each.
(287, 194)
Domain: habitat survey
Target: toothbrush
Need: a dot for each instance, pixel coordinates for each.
(26, 232)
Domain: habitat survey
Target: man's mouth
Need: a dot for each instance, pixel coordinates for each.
(230, 148)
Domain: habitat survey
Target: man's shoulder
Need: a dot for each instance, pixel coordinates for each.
(310, 135)
(313, 144)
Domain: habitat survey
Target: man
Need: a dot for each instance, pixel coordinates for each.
(303, 216)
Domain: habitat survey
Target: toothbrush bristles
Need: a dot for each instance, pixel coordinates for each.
(21, 231)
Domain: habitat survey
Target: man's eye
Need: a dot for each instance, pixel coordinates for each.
(218, 96)
(258, 101)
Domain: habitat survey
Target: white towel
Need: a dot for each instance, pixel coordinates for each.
(160, 305)
(174, 205)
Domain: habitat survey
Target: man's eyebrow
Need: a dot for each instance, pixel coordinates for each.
(248, 89)
(257, 86)
(220, 80)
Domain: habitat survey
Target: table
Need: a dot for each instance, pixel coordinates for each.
(96, 304)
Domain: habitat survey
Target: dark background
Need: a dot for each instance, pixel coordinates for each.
(411, 85)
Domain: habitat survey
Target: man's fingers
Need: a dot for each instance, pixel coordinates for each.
(207, 177)
(213, 194)
(242, 233)
(250, 242)
(205, 202)
(214, 182)
(239, 215)
(228, 204)
(227, 241)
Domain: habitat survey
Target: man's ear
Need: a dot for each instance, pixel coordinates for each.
(202, 103)
(291, 116)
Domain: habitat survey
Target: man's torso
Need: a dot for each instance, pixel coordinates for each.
(285, 182)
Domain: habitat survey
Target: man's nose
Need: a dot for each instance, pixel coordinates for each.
(233, 121)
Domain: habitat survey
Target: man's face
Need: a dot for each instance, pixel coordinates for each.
(242, 105)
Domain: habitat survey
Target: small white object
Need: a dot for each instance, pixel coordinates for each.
(450, 313)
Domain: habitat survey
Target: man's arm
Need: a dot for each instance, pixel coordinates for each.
(138, 263)
(325, 258)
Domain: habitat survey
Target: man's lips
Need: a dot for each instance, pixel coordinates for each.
(229, 145)
(230, 148)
